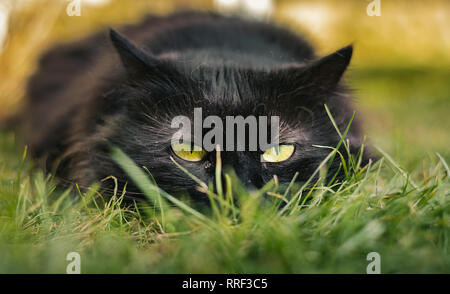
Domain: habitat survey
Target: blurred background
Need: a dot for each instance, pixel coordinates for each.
(400, 70)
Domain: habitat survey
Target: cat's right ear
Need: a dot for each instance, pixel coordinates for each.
(326, 72)
(135, 60)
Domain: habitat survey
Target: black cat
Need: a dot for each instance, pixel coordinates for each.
(93, 94)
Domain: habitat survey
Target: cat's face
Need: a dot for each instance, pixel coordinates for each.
(158, 90)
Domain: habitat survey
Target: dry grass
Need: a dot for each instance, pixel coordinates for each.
(37, 24)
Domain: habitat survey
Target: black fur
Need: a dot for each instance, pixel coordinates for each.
(92, 94)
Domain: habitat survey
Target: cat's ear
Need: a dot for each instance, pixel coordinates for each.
(326, 72)
(135, 60)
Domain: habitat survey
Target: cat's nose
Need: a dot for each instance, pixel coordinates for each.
(247, 182)
(250, 179)
(246, 175)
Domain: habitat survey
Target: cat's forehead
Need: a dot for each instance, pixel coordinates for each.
(236, 92)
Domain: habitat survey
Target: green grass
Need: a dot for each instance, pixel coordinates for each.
(398, 208)
(404, 217)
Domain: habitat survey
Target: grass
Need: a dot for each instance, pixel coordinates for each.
(320, 228)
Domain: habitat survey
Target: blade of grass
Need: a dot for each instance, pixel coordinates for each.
(296, 199)
(141, 180)
(397, 167)
(444, 163)
(342, 140)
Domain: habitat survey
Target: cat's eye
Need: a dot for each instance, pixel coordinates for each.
(188, 152)
(278, 153)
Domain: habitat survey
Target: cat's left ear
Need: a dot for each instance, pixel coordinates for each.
(326, 72)
(135, 60)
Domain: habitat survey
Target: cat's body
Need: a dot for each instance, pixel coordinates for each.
(85, 99)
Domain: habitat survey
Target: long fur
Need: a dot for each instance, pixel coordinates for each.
(96, 93)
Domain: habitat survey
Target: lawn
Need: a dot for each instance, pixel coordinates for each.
(398, 207)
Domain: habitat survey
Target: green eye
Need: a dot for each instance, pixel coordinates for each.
(186, 152)
(278, 153)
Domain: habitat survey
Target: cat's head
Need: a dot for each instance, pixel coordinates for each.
(156, 89)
